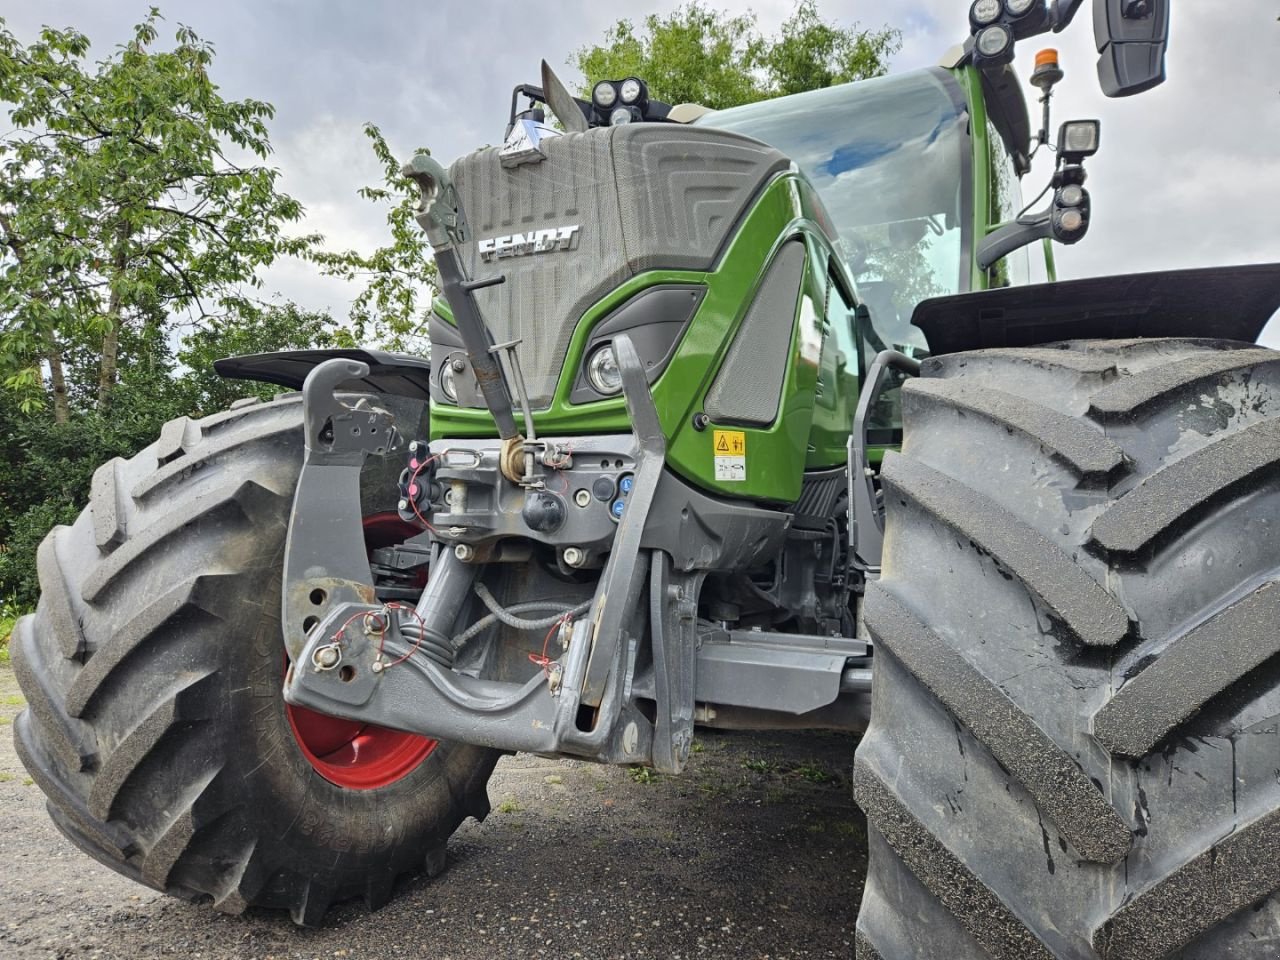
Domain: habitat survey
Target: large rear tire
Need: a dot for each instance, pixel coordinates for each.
(153, 671)
(1073, 749)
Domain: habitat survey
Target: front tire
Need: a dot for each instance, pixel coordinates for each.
(1073, 750)
(153, 671)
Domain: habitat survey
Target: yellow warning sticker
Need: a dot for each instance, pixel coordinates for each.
(730, 443)
(730, 448)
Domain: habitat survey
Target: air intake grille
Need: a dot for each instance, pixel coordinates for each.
(749, 385)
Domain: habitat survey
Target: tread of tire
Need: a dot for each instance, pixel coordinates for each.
(1056, 782)
(1190, 672)
(1162, 501)
(234, 499)
(978, 908)
(57, 595)
(1128, 397)
(1088, 610)
(147, 806)
(1236, 872)
(72, 740)
(1178, 722)
(1079, 446)
(1048, 357)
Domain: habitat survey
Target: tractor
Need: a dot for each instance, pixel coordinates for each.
(742, 419)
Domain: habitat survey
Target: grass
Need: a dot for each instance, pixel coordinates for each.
(510, 805)
(7, 619)
(814, 774)
(14, 700)
(643, 775)
(758, 765)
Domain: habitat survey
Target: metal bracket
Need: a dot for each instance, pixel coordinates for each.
(673, 619)
(325, 561)
(623, 575)
(866, 522)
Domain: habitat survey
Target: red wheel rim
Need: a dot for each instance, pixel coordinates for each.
(348, 753)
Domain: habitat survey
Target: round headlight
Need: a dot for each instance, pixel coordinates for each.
(1017, 8)
(603, 372)
(620, 115)
(604, 94)
(1071, 220)
(1071, 195)
(449, 382)
(993, 41)
(631, 90)
(984, 12)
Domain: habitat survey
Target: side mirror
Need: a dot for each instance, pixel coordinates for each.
(1132, 36)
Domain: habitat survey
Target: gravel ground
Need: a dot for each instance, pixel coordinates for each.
(756, 851)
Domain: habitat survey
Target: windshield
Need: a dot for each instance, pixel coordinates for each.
(889, 158)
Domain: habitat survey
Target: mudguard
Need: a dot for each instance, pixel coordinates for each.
(1222, 303)
(401, 374)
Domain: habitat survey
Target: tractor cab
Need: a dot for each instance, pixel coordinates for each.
(890, 159)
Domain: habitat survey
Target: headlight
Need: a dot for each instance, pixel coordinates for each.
(1071, 220)
(1078, 139)
(632, 91)
(603, 372)
(620, 115)
(1017, 8)
(604, 94)
(994, 41)
(984, 12)
(448, 382)
(1071, 195)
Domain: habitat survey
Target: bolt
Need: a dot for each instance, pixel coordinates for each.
(700, 421)
(464, 552)
(555, 676)
(459, 365)
(582, 498)
(326, 657)
(413, 447)
(573, 557)
(403, 506)
(377, 666)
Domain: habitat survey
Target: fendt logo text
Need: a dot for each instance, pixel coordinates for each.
(535, 241)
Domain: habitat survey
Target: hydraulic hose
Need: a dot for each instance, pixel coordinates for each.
(509, 615)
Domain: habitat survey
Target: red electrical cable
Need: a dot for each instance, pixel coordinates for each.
(422, 629)
(541, 659)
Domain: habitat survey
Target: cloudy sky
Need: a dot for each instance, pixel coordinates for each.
(1188, 175)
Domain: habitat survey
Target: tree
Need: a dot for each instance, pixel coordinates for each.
(400, 277)
(700, 55)
(130, 190)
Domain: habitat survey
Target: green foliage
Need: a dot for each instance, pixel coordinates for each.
(700, 55)
(46, 468)
(130, 189)
(253, 328)
(399, 277)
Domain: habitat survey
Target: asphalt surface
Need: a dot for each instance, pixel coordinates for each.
(756, 851)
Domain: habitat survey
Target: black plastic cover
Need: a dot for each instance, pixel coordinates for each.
(400, 374)
(1223, 303)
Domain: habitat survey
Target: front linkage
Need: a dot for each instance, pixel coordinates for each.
(625, 662)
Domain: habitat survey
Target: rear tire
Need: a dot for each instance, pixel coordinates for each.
(153, 671)
(1073, 750)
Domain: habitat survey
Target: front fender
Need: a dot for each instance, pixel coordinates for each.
(400, 374)
(1220, 303)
